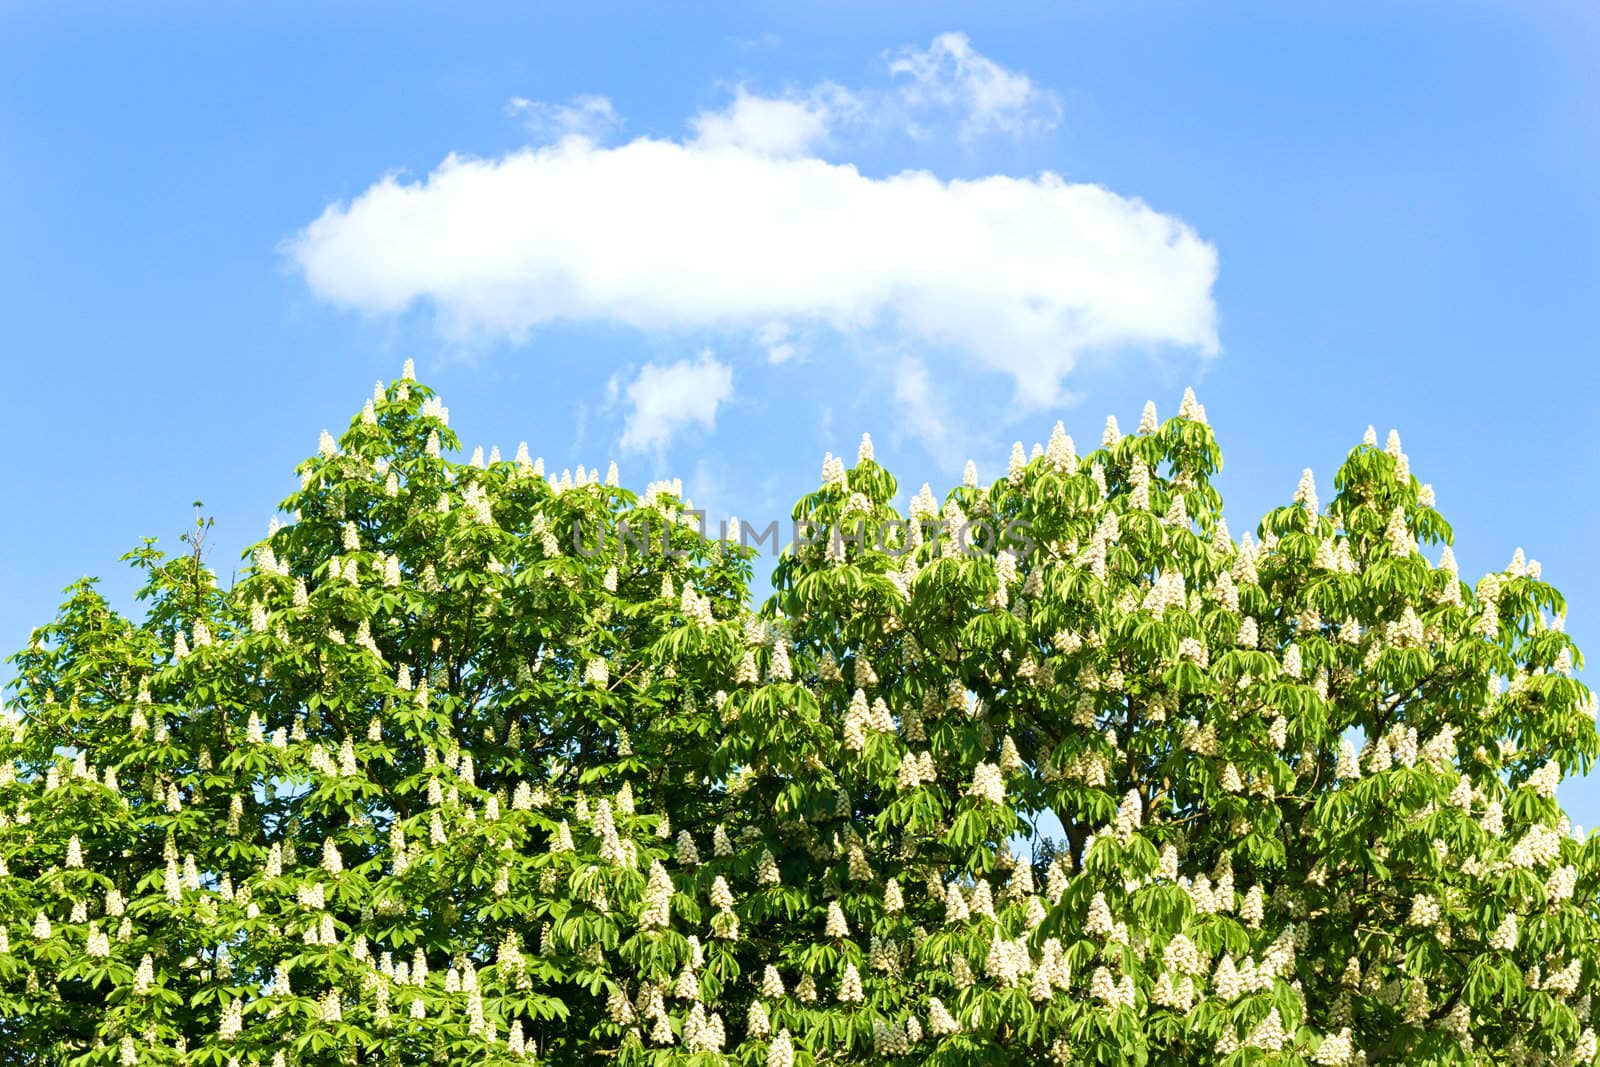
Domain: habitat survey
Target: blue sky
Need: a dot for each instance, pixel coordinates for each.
(1321, 218)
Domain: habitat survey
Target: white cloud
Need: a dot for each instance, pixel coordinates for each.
(948, 85)
(665, 399)
(592, 117)
(952, 75)
(741, 229)
(767, 126)
(1021, 273)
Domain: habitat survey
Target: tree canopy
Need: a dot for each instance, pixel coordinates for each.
(478, 764)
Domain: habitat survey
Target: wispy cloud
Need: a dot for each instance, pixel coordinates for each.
(593, 117)
(775, 337)
(921, 412)
(953, 76)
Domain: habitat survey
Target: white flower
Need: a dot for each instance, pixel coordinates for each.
(1226, 980)
(1564, 982)
(778, 667)
(1100, 922)
(688, 853)
(1504, 937)
(836, 925)
(1253, 910)
(1129, 816)
(955, 905)
(1148, 422)
(97, 945)
(856, 718)
(940, 1021)
(1102, 988)
(758, 1023)
(781, 1052)
(767, 870)
(1561, 884)
(1404, 746)
(833, 472)
(1269, 1033)
(987, 784)
(1306, 493)
(145, 977)
(1060, 453)
(232, 1020)
(850, 991)
(658, 898)
(687, 985)
(981, 902)
(1545, 780)
(1424, 910)
(1169, 862)
(1539, 847)
(1379, 758)
(771, 982)
(908, 775)
(1587, 1047)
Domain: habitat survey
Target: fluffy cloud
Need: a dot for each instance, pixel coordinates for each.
(769, 126)
(665, 399)
(741, 228)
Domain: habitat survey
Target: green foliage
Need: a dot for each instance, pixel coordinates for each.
(463, 770)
